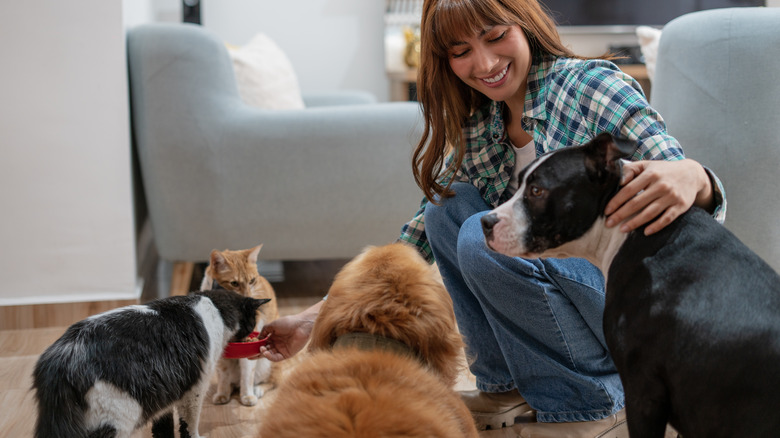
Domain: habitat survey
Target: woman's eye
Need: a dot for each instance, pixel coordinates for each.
(497, 38)
(458, 54)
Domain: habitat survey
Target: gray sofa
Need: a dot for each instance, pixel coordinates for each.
(317, 183)
(717, 85)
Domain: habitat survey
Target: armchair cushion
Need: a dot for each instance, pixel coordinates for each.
(265, 76)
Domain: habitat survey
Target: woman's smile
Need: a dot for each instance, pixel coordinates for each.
(496, 80)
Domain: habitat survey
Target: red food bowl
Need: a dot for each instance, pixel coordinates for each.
(240, 350)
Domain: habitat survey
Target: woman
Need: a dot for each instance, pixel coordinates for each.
(498, 88)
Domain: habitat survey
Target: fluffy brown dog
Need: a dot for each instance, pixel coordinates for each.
(384, 357)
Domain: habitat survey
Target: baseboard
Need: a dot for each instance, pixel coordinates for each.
(272, 270)
(54, 315)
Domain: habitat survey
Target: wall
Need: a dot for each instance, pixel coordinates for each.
(66, 231)
(332, 44)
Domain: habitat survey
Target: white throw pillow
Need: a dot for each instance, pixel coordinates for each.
(648, 44)
(265, 76)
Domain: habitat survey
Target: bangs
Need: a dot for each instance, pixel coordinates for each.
(458, 20)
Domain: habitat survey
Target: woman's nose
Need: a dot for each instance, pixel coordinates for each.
(484, 61)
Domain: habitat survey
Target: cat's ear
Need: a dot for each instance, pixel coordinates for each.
(257, 302)
(252, 257)
(217, 260)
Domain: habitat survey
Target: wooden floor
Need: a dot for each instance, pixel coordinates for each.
(305, 283)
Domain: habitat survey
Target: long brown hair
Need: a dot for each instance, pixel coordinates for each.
(446, 101)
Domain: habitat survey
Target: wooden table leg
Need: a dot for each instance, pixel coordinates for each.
(181, 277)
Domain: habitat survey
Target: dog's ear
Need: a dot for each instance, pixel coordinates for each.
(604, 153)
(620, 148)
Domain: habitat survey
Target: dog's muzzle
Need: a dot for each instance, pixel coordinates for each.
(488, 222)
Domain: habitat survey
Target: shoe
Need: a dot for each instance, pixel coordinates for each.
(613, 426)
(494, 410)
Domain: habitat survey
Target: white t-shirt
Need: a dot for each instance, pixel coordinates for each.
(523, 156)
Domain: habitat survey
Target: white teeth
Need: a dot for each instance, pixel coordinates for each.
(497, 77)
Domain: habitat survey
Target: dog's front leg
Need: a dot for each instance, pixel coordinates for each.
(646, 415)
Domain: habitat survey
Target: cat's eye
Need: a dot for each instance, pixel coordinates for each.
(252, 281)
(234, 283)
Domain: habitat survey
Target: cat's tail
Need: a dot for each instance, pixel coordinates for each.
(61, 406)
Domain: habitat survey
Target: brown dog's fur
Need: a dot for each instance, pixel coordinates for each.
(347, 392)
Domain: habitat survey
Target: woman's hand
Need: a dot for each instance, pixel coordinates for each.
(289, 334)
(660, 190)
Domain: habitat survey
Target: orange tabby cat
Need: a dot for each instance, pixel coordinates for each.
(237, 271)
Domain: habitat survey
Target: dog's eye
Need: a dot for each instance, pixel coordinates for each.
(536, 191)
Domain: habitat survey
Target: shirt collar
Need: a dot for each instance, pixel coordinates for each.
(534, 97)
(541, 67)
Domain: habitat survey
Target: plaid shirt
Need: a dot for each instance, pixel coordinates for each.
(567, 102)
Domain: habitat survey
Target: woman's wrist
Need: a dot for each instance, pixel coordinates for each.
(309, 315)
(705, 195)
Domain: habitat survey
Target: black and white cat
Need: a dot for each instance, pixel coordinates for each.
(112, 373)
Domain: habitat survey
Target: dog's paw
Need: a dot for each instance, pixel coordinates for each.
(249, 400)
(220, 399)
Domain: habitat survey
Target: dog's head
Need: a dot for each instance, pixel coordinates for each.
(560, 195)
(391, 291)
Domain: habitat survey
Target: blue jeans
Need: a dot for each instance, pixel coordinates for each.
(533, 325)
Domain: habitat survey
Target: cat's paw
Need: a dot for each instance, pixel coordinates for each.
(249, 400)
(259, 392)
(220, 399)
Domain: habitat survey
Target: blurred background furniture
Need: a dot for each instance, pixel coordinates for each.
(716, 85)
(315, 183)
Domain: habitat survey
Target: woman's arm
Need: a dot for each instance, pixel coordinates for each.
(660, 184)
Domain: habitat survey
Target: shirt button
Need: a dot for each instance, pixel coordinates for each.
(495, 136)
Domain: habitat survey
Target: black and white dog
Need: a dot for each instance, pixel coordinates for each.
(692, 316)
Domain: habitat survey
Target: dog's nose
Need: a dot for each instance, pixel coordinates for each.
(488, 222)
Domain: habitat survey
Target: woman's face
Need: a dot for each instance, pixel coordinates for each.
(494, 61)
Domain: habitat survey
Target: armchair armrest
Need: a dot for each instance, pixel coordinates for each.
(344, 97)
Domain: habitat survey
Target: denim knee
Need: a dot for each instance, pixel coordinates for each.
(476, 258)
(443, 222)
(473, 252)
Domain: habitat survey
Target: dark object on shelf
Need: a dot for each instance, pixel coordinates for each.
(412, 90)
(190, 11)
(629, 13)
(627, 54)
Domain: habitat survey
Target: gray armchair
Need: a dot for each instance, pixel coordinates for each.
(717, 86)
(317, 183)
